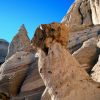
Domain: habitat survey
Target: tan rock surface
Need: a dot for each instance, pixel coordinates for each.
(33, 80)
(79, 15)
(15, 68)
(46, 95)
(87, 54)
(20, 42)
(46, 33)
(95, 8)
(75, 82)
(77, 38)
(96, 71)
(33, 83)
(63, 77)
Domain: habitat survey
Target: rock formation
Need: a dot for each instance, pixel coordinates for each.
(15, 68)
(64, 49)
(77, 38)
(20, 42)
(96, 71)
(53, 31)
(75, 82)
(79, 15)
(46, 95)
(33, 83)
(58, 62)
(95, 8)
(3, 50)
(19, 76)
(87, 54)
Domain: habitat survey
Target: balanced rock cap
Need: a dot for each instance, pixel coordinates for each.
(47, 33)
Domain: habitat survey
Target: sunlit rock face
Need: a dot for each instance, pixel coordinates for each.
(95, 8)
(79, 16)
(60, 63)
(20, 42)
(3, 50)
(15, 69)
(62, 74)
(87, 54)
(46, 33)
(96, 69)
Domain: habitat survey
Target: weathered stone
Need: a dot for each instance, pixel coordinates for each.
(33, 82)
(75, 82)
(46, 95)
(96, 71)
(95, 8)
(79, 15)
(87, 54)
(15, 68)
(20, 42)
(3, 50)
(46, 33)
(77, 38)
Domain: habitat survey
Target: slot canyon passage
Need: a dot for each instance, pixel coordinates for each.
(61, 62)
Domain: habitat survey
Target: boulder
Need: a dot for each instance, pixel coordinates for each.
(15, 69)
(95, 8)
(87, 54)
(20, 42)
(3, 50)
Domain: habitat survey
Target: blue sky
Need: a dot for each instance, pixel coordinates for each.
(31, 13)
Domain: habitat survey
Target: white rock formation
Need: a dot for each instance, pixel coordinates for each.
(95, 8)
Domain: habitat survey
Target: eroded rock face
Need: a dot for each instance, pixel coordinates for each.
(33, 84)
(95, 8)
(46, 33)
(3, 50)
(87, 54)
(79, 15)
(77, 38)
(20, 42)
(46, 95)
(75, 82)
(15, 69)
(33, 79)
(96, 71)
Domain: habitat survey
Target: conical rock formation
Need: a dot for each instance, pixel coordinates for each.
(20, 42)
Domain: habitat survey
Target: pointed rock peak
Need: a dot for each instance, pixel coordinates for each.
(23, 29)
(20, 42)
